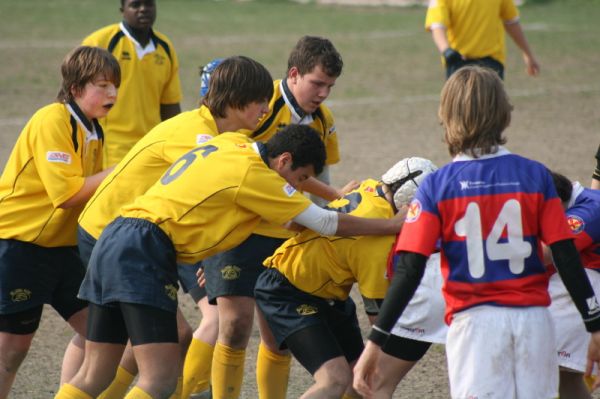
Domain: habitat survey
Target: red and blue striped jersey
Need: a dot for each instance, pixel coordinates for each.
(583, 217)
(491, 214)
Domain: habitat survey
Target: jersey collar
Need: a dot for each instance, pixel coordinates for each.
(298, 114)
(92, 128)
(577, 189)
(464, 157)
(139, 50)
(261, 150)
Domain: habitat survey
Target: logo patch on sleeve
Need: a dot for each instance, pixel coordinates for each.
(575, 223)
(203, 138)
(57, 156)
(289, 190)
(414, 211)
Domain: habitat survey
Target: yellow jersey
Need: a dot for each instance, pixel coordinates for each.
(144, 164)
(475, 28)
(328, 266)
(212, 198)
(149, 78)
(58, 148)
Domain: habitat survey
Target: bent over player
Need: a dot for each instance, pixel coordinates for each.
(207, 201)
(491, 210)
(53, 169)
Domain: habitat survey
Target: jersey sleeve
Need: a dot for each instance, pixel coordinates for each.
(172, 90)
(553, 222)
(509, 11)
(265, 193)
(437, 15)
(58, 164)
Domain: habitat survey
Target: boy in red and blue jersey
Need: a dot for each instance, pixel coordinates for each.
(492, 211)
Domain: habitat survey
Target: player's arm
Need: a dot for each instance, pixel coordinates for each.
(409, 272)
(316, 187)
(596, 176)
(451, 56)
(513, 28)
(169, 110)
(86, 191)
(327, 222)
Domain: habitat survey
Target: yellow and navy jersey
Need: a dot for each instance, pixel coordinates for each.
(144, 164)
(58, 148)
(284, 110)
(212, 198)
(149, 78)
(328, 266)
(475, 28)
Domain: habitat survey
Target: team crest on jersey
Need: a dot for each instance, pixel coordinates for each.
(414, 211)
(125, 56)
(203, 138)
(159, 59)
(306, 310)
(58, 156)
(230, 272)
(171, 291)
(575, 223)
(20, 295)
(241, 145)
(289, 189)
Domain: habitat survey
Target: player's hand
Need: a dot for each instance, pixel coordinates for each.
(532, 67)
(593, 358)
(351, 185)
(452, 56)
(201, 277)
(365, 370)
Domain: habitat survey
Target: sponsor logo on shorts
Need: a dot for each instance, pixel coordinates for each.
(289, 189)
(58, 156)
(203, 138)
(306, 310)
(593, 306)
(171, 291)
(415, 330)
(230, 272)
(20, 295)
(564, 354)
(414, 211)
(575, 223)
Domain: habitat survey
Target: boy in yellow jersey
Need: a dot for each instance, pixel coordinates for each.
(472, 32)
(53, 169)
(313, 68)
(209, 200)
(151, 90)
(238, 97)
(304, 294)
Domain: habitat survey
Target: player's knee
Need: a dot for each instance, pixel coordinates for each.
(336, 378)
(11, 358)
(235, 331)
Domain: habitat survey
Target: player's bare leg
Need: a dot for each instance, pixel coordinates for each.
(332, 379)
(391, 371)
(74, 353)
(272, 364)
(571, 385)
(155, 379)
(13, 349)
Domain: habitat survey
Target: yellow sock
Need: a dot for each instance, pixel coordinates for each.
(196, 369)
(589, 381)
(68, 391)
(137, 393)
(227, 372)
(119, 386)
(177, 393)
(348, 396)
(272, 373)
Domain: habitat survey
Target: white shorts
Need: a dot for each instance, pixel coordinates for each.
(502, 352)
(572, 339)
(423, 318)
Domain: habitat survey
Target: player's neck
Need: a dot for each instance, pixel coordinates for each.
(141, 35)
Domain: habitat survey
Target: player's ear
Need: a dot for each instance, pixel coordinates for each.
(283, 160)
(293, 74)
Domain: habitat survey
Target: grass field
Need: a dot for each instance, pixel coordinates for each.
(385, 102)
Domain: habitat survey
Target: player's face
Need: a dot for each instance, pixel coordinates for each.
(249, 116)
(139, 14)
(311, 89)
(293, 176)
(96, 98)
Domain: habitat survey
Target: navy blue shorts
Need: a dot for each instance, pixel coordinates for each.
(186, 273)
(234, 272)
(133, 262)
(31, 276)
(289, 310)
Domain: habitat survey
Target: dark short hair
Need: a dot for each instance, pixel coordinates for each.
(313, 51)
(564, 187)
(237, 82)
(303, 142)
(84, 64)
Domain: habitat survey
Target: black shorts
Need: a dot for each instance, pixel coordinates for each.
(234, 272)
(31, 276)
(133, 261)
(289, 310)
(85, 243)
(189, 281)
(487, 62)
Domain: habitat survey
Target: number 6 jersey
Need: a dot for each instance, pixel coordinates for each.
(491, 214)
